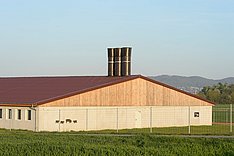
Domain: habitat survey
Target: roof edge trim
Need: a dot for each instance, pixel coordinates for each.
(16, 105)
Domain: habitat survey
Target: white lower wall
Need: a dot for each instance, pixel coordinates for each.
(14, 122)
(99, 118)
(168, 116)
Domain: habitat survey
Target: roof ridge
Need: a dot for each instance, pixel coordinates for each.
(68, 76)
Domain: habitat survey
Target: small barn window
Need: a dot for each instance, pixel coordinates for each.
(196, 114)
(9, 113)
(19, 114)
(0, 113)
(29, 115)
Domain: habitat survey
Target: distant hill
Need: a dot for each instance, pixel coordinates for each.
(191, 84)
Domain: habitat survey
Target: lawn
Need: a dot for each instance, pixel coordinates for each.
(43, 143)
(216, 129)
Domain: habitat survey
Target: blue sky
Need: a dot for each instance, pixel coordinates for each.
(57, 37)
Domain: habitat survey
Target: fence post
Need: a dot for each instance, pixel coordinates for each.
(189, 127)
(213, 115)
(87, 118)
(151, 129)
(231, 118)
(227, 116)
(59, 119)
(117, 120)
(11, 124)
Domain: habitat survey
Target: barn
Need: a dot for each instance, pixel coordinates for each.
(117, 101)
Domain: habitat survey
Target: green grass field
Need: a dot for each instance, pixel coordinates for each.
(195, 130)
(30, 143)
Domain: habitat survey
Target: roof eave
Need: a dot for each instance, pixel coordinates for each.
(15, 104)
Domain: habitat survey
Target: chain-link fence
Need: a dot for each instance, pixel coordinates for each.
(199, 120)
(222, 119)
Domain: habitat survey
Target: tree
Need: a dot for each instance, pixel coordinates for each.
(232, 97)
(219, 93)
(213, 95)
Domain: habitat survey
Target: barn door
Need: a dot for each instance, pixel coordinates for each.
(138, 119)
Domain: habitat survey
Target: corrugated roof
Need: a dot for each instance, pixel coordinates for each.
(33, 90)
(38, 90)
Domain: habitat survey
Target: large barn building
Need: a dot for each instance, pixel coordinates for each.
(117, 101)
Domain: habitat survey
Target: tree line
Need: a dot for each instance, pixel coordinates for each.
(219, 93)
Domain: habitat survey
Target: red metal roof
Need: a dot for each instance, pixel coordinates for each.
(33, 90)
(39, 90)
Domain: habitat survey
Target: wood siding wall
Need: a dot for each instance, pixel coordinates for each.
(137, 92)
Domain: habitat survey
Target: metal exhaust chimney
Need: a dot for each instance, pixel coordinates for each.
(117, 61)
(110, 61)
(126, 61)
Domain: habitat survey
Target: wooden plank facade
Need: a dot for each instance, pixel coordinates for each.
(136, 92)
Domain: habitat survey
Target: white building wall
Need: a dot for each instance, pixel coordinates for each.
(99, 118)
(169, 116)
(14, 122)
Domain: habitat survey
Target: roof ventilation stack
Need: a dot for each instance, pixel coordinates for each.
(117, 62)
(110, 61)
(126, 61)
